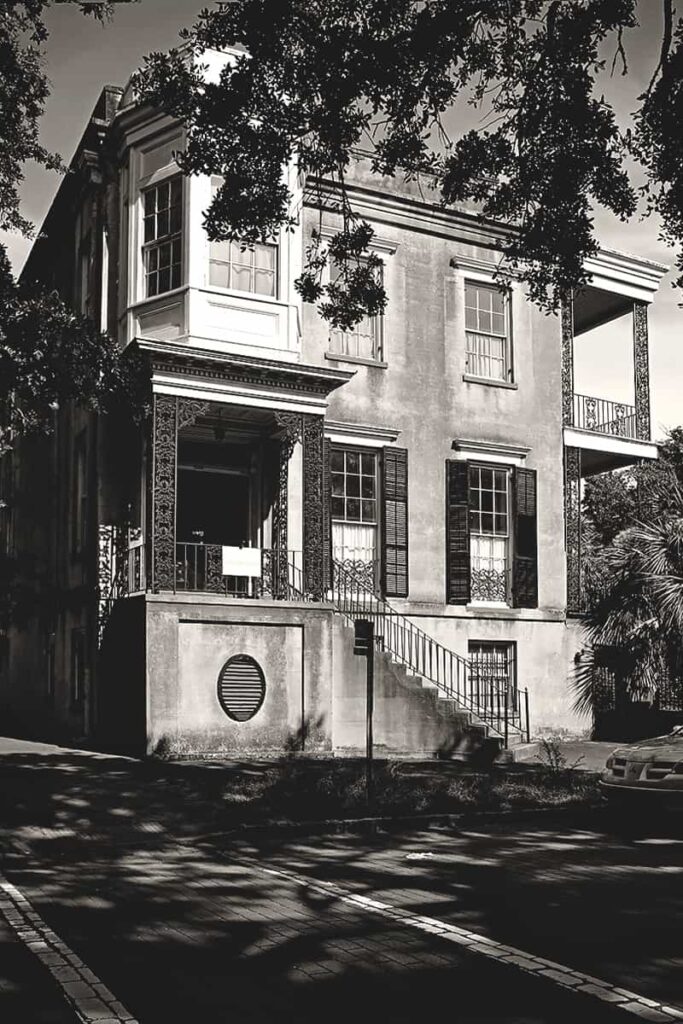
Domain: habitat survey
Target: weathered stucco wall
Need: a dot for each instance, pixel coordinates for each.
(188, 642)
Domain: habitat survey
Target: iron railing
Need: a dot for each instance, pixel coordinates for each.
(199, 568)
(604, 416)
(505, 710)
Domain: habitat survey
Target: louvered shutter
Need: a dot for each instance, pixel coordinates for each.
(525, 556)
(327, 520)
(395, 522)
(457, 533)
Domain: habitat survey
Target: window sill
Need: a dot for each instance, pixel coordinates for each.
(334, 357)
(148, 299)
(490, 382)
(488, 604)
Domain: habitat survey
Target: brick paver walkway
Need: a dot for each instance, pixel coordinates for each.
(185, 930)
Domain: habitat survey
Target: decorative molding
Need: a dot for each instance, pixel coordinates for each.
(567, 321)
(489, 451)
(388, 246)
(188, 361)
(489, 268)
(360, 433)
(641, 371)
(572, 519)
(624, 274)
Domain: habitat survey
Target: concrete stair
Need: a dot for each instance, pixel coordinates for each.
(414, 718)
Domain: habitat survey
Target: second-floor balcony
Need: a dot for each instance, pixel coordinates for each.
(617, 419)
(605, 364)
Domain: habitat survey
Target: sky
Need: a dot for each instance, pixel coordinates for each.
(82, 56)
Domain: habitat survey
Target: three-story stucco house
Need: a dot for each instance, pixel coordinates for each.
(200, 576)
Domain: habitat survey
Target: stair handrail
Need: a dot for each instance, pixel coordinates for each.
(451, 673)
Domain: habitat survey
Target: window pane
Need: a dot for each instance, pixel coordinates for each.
(153, 259)
(162, 196)
(220, 251)
(501, 502)
(337, 508)
(352, 462)
(368, 464)
(241, 278)
(486, 476)
(164, 255)
(486, 522)
(176, 191)
(338, 483)
(218, 274)
(369, 513)
(264, 257)
(498, 323)
(149, 228)
(164, 279)
(175, 276)
(501, 480)
(150, 197)
(368, 487)
(497, 300)
(501, 524)
(152, 288)
(264, 282)
(353, 486)
(487, 501)
(175, 219)
(163, 223)
(353, 509)
(337, 460)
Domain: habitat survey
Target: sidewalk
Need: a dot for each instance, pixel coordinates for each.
(28, 994)
(185, 931)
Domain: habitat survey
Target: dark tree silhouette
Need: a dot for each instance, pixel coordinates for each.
(317, 80)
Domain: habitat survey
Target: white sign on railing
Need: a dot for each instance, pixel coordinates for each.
(241, 561)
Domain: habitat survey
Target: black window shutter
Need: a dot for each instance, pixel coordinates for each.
(395, 522)
(457, 533)
(525, 557)
(327, 519)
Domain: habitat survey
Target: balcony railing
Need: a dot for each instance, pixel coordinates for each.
(604, 416)
(199, 568)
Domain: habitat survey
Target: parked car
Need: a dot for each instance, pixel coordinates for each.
(652, 766)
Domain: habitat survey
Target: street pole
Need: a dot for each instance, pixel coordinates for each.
(369, 709)
(364, 644)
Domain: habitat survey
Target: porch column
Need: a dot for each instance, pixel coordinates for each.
(170, 415)
(291, 422)
(567, 321)
(314, 506)
(572, 520)
(641, 370)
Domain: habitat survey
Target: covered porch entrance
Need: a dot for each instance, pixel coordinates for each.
(234, 489)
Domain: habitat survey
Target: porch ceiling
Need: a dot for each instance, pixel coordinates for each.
(594, 307)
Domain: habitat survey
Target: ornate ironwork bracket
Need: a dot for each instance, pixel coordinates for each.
(171, 414)
(292, 431)
(641, 369)
(314, 560)
(567, 320)
(572, 518)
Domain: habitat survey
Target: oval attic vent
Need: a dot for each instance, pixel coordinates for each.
(241, 687)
